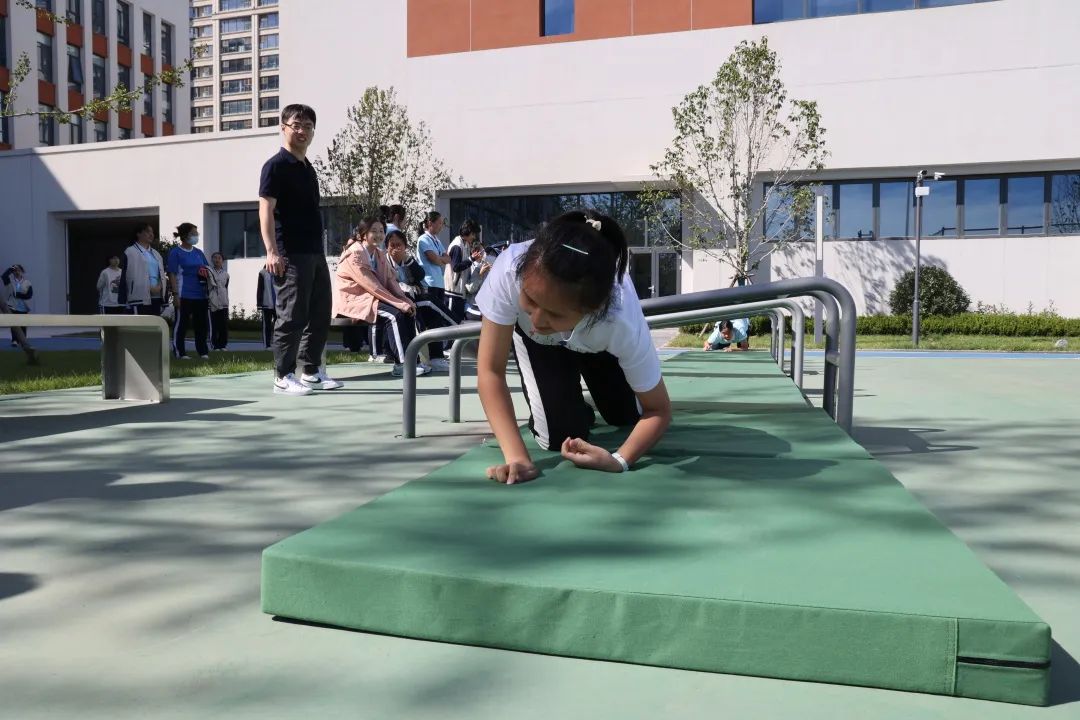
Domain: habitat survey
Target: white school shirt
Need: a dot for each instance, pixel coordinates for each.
(623, 332)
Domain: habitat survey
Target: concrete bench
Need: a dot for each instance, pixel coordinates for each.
(134, 351)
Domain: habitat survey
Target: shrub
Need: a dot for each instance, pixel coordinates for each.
(939, 293)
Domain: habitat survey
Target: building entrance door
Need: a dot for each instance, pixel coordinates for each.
(655, 272)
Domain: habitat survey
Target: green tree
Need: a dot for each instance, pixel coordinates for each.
(939, 293)
(381, 157)
(731, 135)
(120, 99)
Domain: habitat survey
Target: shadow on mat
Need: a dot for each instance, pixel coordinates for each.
(737, 376)
(885, 441)
(30, 488)
(34, 426)
(1064, 676)
(12, 584)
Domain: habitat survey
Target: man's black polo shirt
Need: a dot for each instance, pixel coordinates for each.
(295, 186)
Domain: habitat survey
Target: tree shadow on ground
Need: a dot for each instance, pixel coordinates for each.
(30, 488)
(12, 584)
(1064, 676)
(882, 441)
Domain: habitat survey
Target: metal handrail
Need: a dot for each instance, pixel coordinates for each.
(839, 373)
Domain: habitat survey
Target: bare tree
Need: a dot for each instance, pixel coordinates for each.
(379, 158)
(730, 134)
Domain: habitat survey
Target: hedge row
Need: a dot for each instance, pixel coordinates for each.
(963, 324)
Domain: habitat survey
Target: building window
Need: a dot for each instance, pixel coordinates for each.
(101, 77)
(235, 45)
(240, 65)
(557, 17)
(74, 11)
(46, 125)
(269, 82)
(75, 68)
(235, 25)
(124, 133)
(269, 20)
(263, 3)
(123, 76)
(229, 5)
(205, 111)
(5, 130)
(202, 31)
(75, 128)
(236, 125)
(166, 44)
(202, 93)
(202, 51)
(97, 17)
(268, 42)
(45, 5)
(203, 72)
(854, 203)
(148, 35)
(101, 131)
(767, 11)
(268, 62)
(123, 23)
(167, 102)
(982, 206)
(233, 87)
(239, 234)
(202, 11)
(268, 121)
(236, 107)
(1065, 204)
(45, 57)
(199, 129)
(268, 104)
(1025, 206)
(148, 97)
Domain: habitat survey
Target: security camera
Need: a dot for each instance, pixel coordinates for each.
(938, 175)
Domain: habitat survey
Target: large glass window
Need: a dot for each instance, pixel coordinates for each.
(826, 8)
(46, 125)
(227, 5)
(239, 235)
(1025, 207)
(97, 15)
(101, 78)
(203, 72)
(203, 92)
(76, 80)
(123, 23)
(855, 210)
(235, 25)
(123, 76)
(75, 130)
(236, 125)
(269, 82)
(887, 5)
(166, 44)
(202, 31)
(234, 45)
(236, 107)
(202, 11)
(767, 11)
(268, 42)
(939, 210)
(240, 65)
(5, 128)
(45, 58)
(167, 102)
(895, 209)
(101, 131)
(267, 104)
(1065, 204)
(203, 112)
(232, 87)
(269, 20)
(148, 34)
(982, 206)
(148, 97)
(558, 17)
(74, 11)
(268, 62)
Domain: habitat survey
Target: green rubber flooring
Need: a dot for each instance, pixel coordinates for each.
(756, 539)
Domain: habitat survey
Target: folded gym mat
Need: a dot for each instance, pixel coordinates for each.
(755, 539)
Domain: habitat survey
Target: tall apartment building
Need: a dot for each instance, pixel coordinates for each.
(235, 81)
(106, 42)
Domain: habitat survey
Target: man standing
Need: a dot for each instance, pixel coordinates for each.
(291, 229)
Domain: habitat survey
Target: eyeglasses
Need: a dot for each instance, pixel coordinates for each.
(297, 127)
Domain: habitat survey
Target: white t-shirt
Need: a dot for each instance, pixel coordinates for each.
(623, 332)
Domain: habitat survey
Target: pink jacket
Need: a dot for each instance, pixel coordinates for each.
(360, 288)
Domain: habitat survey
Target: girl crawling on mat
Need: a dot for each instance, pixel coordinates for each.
(564, 305)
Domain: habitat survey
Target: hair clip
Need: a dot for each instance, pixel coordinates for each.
(577, 250)
(595, 224)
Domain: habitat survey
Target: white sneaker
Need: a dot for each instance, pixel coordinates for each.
(321, 381)
(399, 370)
(289, 385)
(376, 358)
(204, 357)
(439, 365)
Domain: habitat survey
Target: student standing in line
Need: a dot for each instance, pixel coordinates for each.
(219, 303)
(266, 301)
(458, 272)
(108, 288)
(142, 274)
(291, 225)
(564, 304)
(20, 293)
(20, 336)
(189, 278)
(433, 258)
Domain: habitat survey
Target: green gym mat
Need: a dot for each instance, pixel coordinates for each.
(755, 539)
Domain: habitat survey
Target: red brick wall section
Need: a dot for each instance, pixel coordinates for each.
(437, 27)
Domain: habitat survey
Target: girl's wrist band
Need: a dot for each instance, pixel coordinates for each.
(622, 461)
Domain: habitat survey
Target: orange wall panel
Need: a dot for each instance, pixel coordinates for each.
(123, 54)
(437, 27)
(102, 116)
(75, 35)
(45, 23)
(600, 19)
(505, 23)
(46, 93)
(147, 126)
(722, 13)
(123, 119)
(75, 100)
(5, 79)
(660, 16)
(146, 64)
(100, 45)
(3, 7)
(167, 128)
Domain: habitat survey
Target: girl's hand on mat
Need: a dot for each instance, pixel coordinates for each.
(589, 456)
(513, 472)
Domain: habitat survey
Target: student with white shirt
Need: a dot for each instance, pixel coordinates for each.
(108, 288)
(564, 304)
